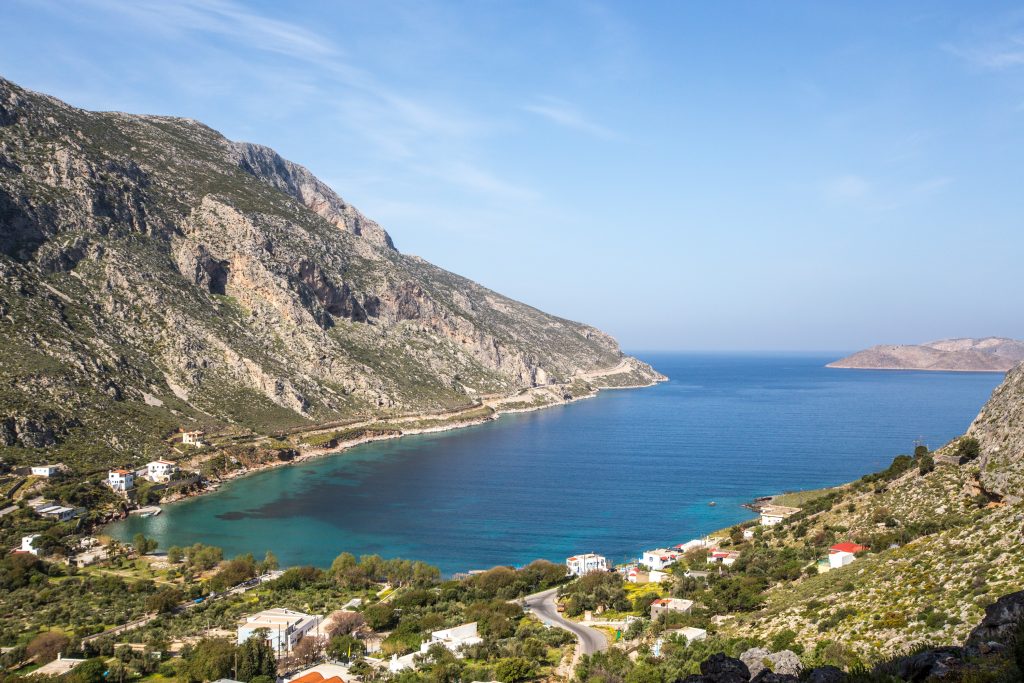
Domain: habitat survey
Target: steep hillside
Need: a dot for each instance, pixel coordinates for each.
(999, 430)
(992, 354)
(155, 275)
(945, 541)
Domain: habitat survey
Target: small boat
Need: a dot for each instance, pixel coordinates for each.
(712, 503)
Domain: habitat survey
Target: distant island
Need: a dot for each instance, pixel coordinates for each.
(991, 354)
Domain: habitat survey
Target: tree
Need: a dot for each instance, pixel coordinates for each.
(175, 554)
(926, 464)
(344, 623)
(968, 448)
(514, 669)
(144, 545)
(345, 648)
(269, 563)
(234, 572)
(380, 616)
(46, 646)
(255, 657)
(91, 671)
(308, 650)
(211, 659)
(164, 601)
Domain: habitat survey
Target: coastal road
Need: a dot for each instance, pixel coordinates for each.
(543, 606)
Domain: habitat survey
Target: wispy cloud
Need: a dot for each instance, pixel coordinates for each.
(432, 136)
(562, 113)
(846, 188)
(1002, 54)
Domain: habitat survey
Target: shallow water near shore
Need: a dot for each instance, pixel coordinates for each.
(624, 471)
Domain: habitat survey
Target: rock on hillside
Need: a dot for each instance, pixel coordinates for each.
(999, 429)
(992, 354)
(154, 274)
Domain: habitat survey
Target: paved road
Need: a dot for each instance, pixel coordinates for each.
(543, 605)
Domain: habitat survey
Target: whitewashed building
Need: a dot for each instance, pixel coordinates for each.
(161, 470)
(664, 605)
(284, 627)
(659, 558)
(47, 470)
(842, 554)
(774, 514)
(723, 557)
(193, 438)
(578, 565)
(454, 638)
(28, 544)
(121, 480)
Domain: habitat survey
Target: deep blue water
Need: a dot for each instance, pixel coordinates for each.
(615, 474)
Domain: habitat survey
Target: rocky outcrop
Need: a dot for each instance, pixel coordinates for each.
(155, 275)
(1001, 439)
(992, 354)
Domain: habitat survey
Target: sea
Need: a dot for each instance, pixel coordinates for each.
(616, 474)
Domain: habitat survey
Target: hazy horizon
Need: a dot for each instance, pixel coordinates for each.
(789, 177)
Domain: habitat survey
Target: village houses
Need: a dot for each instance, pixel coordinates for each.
(578, 565)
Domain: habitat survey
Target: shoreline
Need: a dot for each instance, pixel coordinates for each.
(498, 411)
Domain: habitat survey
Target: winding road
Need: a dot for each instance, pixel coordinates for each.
(543, 606)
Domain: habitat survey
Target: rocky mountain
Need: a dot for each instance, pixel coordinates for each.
(155, 275)
(991, 354)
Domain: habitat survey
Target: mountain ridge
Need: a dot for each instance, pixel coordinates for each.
(988, 354)
(155, 275)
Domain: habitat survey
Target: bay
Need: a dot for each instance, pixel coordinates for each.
(624, 471)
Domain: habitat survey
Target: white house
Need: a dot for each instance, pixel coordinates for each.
(28, 544)
(634, 575)
(659, 558)
(748, 534)
(723, 557)
(578, 565)
(664, 605)
(454, 638)
(47, 470)
(121, 480)
(774, 514)
(842, 554)
(161, 470)
(59, 513)
(193, 438)
(284, 627)
(691, 633)
(691, 544)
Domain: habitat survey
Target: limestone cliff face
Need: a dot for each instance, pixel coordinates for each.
(154, 274)
(999, 429)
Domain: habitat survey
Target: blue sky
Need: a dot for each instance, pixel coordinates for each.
(684, 175)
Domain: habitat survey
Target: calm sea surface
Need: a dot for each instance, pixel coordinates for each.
(615, 474)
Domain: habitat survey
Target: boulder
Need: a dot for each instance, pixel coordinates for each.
(767, 676)
(826, 674)
(755, 659)
(785, 662)
(1000, 623)
(936, 664)
(720, 668)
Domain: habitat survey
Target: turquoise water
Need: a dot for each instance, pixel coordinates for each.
(614, 474)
